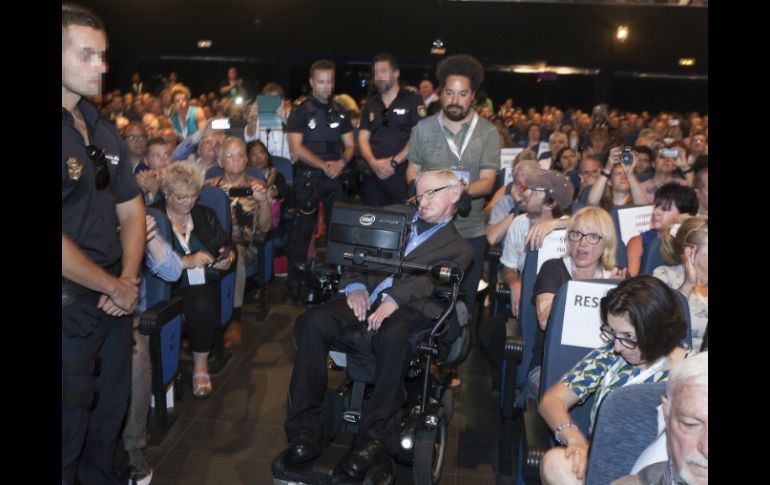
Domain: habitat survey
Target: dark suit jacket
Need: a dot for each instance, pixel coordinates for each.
(415, 289)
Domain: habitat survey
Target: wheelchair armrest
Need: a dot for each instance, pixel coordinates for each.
(536, 440)
(444, 292)
(514, 341)
(154, 319)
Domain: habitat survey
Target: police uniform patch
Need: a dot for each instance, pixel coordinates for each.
(371, 117)
(311, 124)
(422, 111)
(74, 168)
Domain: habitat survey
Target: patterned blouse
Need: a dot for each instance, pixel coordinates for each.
(585, 378)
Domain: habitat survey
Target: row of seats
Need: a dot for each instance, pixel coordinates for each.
(558, 358)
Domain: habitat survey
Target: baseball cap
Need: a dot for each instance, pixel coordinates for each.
(554, 183)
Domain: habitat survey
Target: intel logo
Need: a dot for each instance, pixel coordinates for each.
(366, 219)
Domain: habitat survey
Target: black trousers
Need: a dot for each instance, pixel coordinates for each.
(303, 225)
(90, 435)
(377, 193)
(200, 315)
(316, 332)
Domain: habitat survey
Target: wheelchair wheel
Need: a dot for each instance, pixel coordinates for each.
(429, 452)
(448, 402)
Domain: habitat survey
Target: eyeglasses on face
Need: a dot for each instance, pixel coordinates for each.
(135, 137)
(428, 194)
(610, 338)
(537, 189)
(576, 236)
(184, 197)
(97, 156)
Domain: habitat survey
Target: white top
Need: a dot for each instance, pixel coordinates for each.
(673, 276)
(514, 247)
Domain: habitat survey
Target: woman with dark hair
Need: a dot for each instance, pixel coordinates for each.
(642, 323)
(671, 200)
(262, 160)
(566, 161)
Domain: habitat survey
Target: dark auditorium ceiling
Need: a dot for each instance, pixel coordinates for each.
(498, 32)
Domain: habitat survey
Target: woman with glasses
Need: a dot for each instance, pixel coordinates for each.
(642, 323)
(685, 248)
(591, 249)
(201, 242)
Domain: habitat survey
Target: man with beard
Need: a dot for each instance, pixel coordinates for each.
(457, 138)
(321, 140)
(547, 195)
(383, 136)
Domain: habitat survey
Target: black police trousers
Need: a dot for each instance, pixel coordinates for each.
(90, 435)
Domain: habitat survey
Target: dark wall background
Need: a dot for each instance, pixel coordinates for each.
(276, 40)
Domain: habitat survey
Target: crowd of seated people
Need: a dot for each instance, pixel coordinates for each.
(669, 171)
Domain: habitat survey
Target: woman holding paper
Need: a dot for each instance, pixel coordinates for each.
(642, 323)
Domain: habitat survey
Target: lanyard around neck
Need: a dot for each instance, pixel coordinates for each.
(450, 140)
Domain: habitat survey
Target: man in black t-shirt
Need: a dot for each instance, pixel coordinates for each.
(383, 136)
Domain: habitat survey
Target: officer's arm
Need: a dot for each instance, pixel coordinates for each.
(77, 267)
(302, 153)
(131, 215)
(350, 146)
(401, 155)
(484, 184)
(365, 147)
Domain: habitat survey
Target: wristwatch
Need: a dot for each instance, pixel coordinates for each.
(393, 162)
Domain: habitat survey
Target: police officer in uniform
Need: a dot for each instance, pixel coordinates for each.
(383, 136)
(321, 139)
(100, 266)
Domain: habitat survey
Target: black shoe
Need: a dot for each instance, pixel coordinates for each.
(302, 449)
(360, 458)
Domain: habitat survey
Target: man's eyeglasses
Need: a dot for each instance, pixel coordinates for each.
(576, 236)
(429, 194)
(135, 137)
(610, 338)
(100, 162)
(385, 120)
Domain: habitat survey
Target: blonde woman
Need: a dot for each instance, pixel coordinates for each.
(685, 248)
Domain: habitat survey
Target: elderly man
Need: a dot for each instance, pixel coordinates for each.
(686, 409)
(388, 309)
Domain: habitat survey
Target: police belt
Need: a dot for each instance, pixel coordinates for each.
(71, 291)
(322, 148)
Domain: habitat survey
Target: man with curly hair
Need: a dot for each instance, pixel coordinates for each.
(457, 138)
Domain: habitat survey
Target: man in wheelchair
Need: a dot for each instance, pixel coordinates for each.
(385, 311)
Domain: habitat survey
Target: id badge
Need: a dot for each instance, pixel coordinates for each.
(196, 276)
(463, 174)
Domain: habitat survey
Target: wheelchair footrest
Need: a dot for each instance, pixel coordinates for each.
(326, 469)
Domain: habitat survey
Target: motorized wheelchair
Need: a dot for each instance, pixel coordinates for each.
(423, 436)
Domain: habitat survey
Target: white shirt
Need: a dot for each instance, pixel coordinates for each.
(514, 247)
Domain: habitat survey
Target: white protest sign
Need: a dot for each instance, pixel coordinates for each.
(506, 162)
(554, 247)
(582, 318)
(634, 221)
